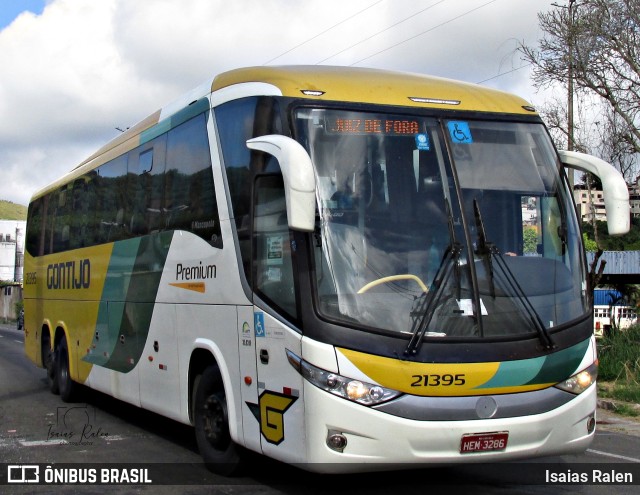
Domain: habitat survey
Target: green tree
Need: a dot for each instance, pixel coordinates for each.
(589, 244)
(530, 240)
(627, 242)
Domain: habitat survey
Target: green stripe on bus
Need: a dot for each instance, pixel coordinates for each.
(180, 117)
(121, 264)
(135, 268)
(561, 365)
(141, 296)
(553, 368)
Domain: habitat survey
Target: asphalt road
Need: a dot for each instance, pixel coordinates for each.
(37, 428)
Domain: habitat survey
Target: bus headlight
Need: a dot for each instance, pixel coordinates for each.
(580, 382)
(358, 391)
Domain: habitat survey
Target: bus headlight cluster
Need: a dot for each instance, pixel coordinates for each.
(358, 391)
(581, 381)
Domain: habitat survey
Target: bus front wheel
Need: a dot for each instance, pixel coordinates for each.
(211, 421)
(66, 385)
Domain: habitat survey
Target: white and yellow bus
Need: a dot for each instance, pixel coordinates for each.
(327, 266)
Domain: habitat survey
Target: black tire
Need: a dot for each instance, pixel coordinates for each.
(219, 452)
(49, 363)
(67, 386)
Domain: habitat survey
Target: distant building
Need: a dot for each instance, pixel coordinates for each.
(593, 204)
(609, 305)
(589, 205)
(12, 234)
(634, 198)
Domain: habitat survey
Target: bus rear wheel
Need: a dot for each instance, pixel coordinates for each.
(67, 386)
(211, 420)
(48, 361)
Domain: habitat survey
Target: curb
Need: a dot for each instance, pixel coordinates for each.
(608, 420)
(613, 405)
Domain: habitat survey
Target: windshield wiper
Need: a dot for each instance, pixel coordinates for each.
(424, 313)
(490, 252)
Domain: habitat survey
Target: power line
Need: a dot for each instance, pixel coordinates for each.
(380, 32)
(324, 32)
(504, 73)
(423, 32)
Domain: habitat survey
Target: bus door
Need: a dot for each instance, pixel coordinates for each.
(280, 408)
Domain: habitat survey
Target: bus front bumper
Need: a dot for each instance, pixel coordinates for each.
(378, 441)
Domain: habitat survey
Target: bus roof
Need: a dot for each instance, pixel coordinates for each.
(321, 83)
(377, 86)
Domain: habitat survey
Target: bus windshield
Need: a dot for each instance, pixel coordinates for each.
(446, 228)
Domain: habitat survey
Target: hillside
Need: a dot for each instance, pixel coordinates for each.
(12, 211)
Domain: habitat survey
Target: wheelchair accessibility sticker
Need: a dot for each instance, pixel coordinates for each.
(258, 320)
(460, 132)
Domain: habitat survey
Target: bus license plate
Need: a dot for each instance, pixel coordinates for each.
(484, 442)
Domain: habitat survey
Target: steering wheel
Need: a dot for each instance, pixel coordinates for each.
(394, 278)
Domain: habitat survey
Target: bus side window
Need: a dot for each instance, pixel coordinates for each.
(146, 172)
(111, 200)
(272, 263)
(84, 210)
(236, 122)
(190, 198)
(36, 221)
(60, 221)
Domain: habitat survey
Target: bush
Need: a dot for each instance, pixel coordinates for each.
(619, 355)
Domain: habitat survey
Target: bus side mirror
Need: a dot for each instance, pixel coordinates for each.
(614, 188)
(298, 175)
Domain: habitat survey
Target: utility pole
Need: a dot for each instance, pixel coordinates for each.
(570, 40)
(17, 276)
(570, 139)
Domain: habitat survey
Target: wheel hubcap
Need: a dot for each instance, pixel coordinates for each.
(215, 422)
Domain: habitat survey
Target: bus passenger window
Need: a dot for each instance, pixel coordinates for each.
(190, 198)
(112, 197)
(146, 171)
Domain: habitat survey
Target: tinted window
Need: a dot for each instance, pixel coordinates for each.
(273, 264)
(146, 185)
(132, 195)
(112, 200)
(238, 121)
(36, 221)
(190, 200)
(84, 199)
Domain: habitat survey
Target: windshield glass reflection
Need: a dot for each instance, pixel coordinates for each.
(391, 251)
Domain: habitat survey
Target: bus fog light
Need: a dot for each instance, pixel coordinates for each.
(591, 424)
(336, 441)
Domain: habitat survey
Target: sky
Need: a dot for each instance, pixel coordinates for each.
(73, 71)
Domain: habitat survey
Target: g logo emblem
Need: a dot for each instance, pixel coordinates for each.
(272, 408)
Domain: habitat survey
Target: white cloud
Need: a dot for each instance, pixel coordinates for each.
(74, 73)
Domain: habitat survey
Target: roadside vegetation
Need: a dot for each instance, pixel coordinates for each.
(627, 242)
(619, 369)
